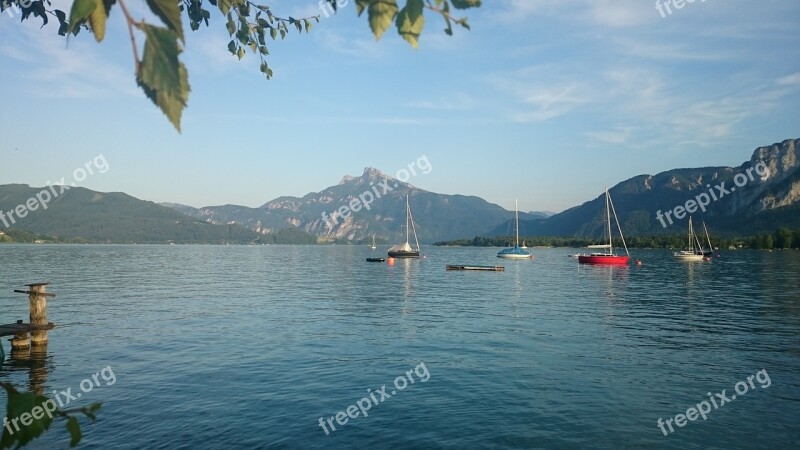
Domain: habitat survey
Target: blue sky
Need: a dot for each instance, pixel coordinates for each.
(545, 100)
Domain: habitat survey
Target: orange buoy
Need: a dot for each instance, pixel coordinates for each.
(390, 261)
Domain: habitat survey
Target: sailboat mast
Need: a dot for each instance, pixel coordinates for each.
(516, 221)
(710, 248)
(608, 222)
(408, 216)
(619, 227)
(697, 241)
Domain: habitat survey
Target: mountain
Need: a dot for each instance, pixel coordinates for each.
(760, 195)
(88, 216)
(436, 216)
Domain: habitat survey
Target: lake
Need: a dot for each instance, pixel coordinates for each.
(273, 347)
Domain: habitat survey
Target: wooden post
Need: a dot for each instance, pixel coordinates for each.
(38, 305)
(37, 299)
(20, 342)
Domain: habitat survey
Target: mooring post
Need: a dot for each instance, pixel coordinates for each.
(38, 304)
(37, 299)
(20, 342)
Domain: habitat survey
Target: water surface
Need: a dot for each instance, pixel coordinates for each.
(248, 346)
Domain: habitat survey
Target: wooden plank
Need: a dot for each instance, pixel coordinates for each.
(46, 294)
(14, 328)
(477, 268)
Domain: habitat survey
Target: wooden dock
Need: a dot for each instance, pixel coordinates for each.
(478, 268)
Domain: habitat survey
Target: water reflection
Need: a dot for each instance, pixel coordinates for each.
(33, 360)
(612, 278)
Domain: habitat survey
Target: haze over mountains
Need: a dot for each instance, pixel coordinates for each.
(374, 204)
(436, 216)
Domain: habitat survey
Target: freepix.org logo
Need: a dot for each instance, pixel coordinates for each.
(715, 193)
(43, 198)
(375, 192)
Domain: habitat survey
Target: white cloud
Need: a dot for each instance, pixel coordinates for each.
(610, 13)
(455, 102)
(617, 136)
(790, 80)
(73, 68)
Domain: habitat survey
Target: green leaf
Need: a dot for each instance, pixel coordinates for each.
(97, 20)
(381, 14)
(169, 13)
(224, 6)
(466, 4)
(162, 77)
(361, 5)
(410, 22)
(74, 429)
(80, 11)
(23, 404)
(62, 20)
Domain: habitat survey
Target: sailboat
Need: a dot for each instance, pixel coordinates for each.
(373, 246)
(610, 257)
(405, 250)
(515, 252)
(695, 251)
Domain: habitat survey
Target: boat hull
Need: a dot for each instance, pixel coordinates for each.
(689, 256)
(513, 256)
(403, 254)
(515, 252)
(604, 259)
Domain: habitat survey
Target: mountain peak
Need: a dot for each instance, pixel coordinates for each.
(370, 174)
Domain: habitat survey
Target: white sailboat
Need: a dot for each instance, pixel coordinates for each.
(405, 250)
(373, 246)
(695, 250)
(515, 252)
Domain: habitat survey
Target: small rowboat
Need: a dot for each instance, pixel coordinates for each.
(376, 259)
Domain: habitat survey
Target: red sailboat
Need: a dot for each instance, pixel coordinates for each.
(609, 257)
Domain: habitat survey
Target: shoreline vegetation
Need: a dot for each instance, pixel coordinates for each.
(783, 238)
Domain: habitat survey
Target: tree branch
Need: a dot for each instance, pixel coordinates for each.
(131, 23)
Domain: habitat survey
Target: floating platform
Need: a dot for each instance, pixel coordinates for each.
(376, 259)
(478, 268)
